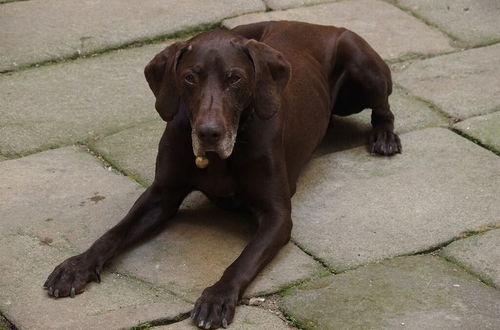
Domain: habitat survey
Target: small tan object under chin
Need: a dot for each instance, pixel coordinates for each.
(201, 162)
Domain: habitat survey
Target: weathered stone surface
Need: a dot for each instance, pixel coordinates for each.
(473, 21)
(81, 27)
(463, 84)
(352, 131)
(48, 199)
(283, 4)
(69, 102)
(389, 30)
(352, 208)
(134, 150)
(421, 292)
(485, 129)
(246, 318)
(115, 303)
(479, 253)
(196, 247)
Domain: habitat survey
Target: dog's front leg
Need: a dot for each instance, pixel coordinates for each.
(152, 208)
(217, 303)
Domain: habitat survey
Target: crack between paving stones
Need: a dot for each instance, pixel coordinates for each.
(317, 259)
(8, 322)
(464, 268)
(160, 322)
(474, 140)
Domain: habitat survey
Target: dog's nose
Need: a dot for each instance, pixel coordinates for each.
(209, 132)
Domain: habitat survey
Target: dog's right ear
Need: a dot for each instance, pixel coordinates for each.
(161, 76)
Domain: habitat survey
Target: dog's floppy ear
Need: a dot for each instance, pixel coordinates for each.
(161, 77)
(272, 72)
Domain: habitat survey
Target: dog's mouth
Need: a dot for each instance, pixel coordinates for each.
(223, 148)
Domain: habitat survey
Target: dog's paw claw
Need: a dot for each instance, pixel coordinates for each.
(383, 142)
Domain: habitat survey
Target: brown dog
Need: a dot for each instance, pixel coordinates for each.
(251, 103)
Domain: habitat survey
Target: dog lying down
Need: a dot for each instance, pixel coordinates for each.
(273, 85)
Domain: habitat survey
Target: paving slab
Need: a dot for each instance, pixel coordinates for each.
(285, 4)
(479, 253)
(389, 30)
(75, 27)
(352, 131)
(463, 84)
(69, 102)
(133, 150)
(194, 250)
(47, 198)
(352, 208)
(485, 129)
(67, 198)
(472, 21)
(420, 292)
(246, 318)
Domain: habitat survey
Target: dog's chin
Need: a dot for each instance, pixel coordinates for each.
(224, 149)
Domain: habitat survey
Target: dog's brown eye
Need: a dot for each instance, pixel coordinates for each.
(234, 78)
(190, 79)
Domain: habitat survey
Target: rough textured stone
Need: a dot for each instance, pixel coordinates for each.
(473, 21)
(421, 292)
(69, 102)
(480, 254)
(48, 199)
(352, 131)
(463, 84)
(134, 150)
(485, 129)
(194, 250)
(389, 30)
(76, 27)
(352, 208)
(283, 4)
(246, 318)
(115, 303)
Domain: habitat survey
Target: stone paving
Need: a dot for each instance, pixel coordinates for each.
(406, 242)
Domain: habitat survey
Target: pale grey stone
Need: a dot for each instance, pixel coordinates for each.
(485, 129)
(473, 21)
(389, 30)
(134, 150)
(462, 85)
(420, 292)
(40, 30)
(245, 318)
(352, 208)
(74, 101)
(479, 253)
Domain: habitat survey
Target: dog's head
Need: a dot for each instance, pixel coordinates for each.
(217, 75)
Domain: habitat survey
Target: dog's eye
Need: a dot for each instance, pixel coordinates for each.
(234, 79)
(190, 79)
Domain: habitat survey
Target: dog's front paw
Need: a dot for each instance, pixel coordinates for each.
(215, 307)
(384, 142)
(71, 276)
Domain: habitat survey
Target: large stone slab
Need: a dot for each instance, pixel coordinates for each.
(75, 27)
(68, 102)
(47, 198)
(485, 129)
(133, 150)
(473, 21)
(463, 84)
(421, 292)
(68, 199)
(352, 131)
(194, 250)
(389, 30)
(245, 318)
(352, 208)
(479, 253)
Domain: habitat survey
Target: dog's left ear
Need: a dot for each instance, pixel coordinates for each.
(161, 76)
(272, 73)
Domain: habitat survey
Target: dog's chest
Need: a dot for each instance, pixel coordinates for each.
(216, 183)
